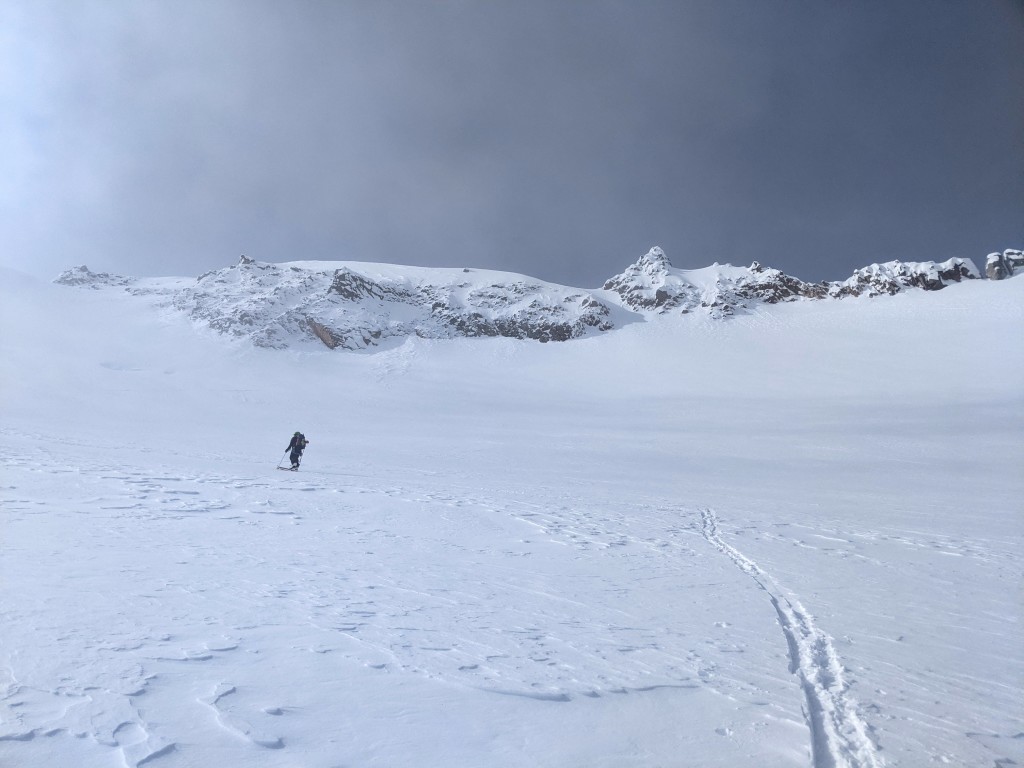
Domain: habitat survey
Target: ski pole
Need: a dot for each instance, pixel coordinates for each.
(282, 458)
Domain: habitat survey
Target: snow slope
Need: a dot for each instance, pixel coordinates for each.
(793, 539)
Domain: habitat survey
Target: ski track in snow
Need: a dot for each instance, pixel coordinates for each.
(839, 737)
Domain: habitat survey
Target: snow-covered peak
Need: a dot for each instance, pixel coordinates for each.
(654, 261)
(653, 285)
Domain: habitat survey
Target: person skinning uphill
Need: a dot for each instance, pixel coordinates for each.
(297, 446)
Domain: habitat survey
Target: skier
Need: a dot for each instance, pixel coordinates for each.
(297, 446)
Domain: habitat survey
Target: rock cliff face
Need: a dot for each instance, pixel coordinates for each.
(351, 305)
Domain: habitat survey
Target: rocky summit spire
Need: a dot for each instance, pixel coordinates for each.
(654, 258)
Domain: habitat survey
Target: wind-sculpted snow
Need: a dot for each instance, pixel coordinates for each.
(352, 305)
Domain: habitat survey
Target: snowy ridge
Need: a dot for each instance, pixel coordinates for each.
(839, 736)
(895, 276)
(652, 284)
(356, 305)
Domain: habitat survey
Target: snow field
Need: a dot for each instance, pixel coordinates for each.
(793, 539)
(226, 591)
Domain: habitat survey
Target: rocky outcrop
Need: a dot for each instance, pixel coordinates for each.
(652, 284)
(83, 277)
(895, 276)
(772, 286)
(352, 286)
(999, 266)
(522, 311)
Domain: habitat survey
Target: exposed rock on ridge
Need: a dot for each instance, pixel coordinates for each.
(83, 277)
(999, 266)
(275, 305)
(652, 284)
(356, 306)
(894, 276)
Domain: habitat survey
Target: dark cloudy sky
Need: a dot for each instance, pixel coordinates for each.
(560, 138)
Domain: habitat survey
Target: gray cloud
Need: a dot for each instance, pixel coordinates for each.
(557, 139)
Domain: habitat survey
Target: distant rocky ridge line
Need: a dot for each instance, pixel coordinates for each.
(653, 285)
(355, 306)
